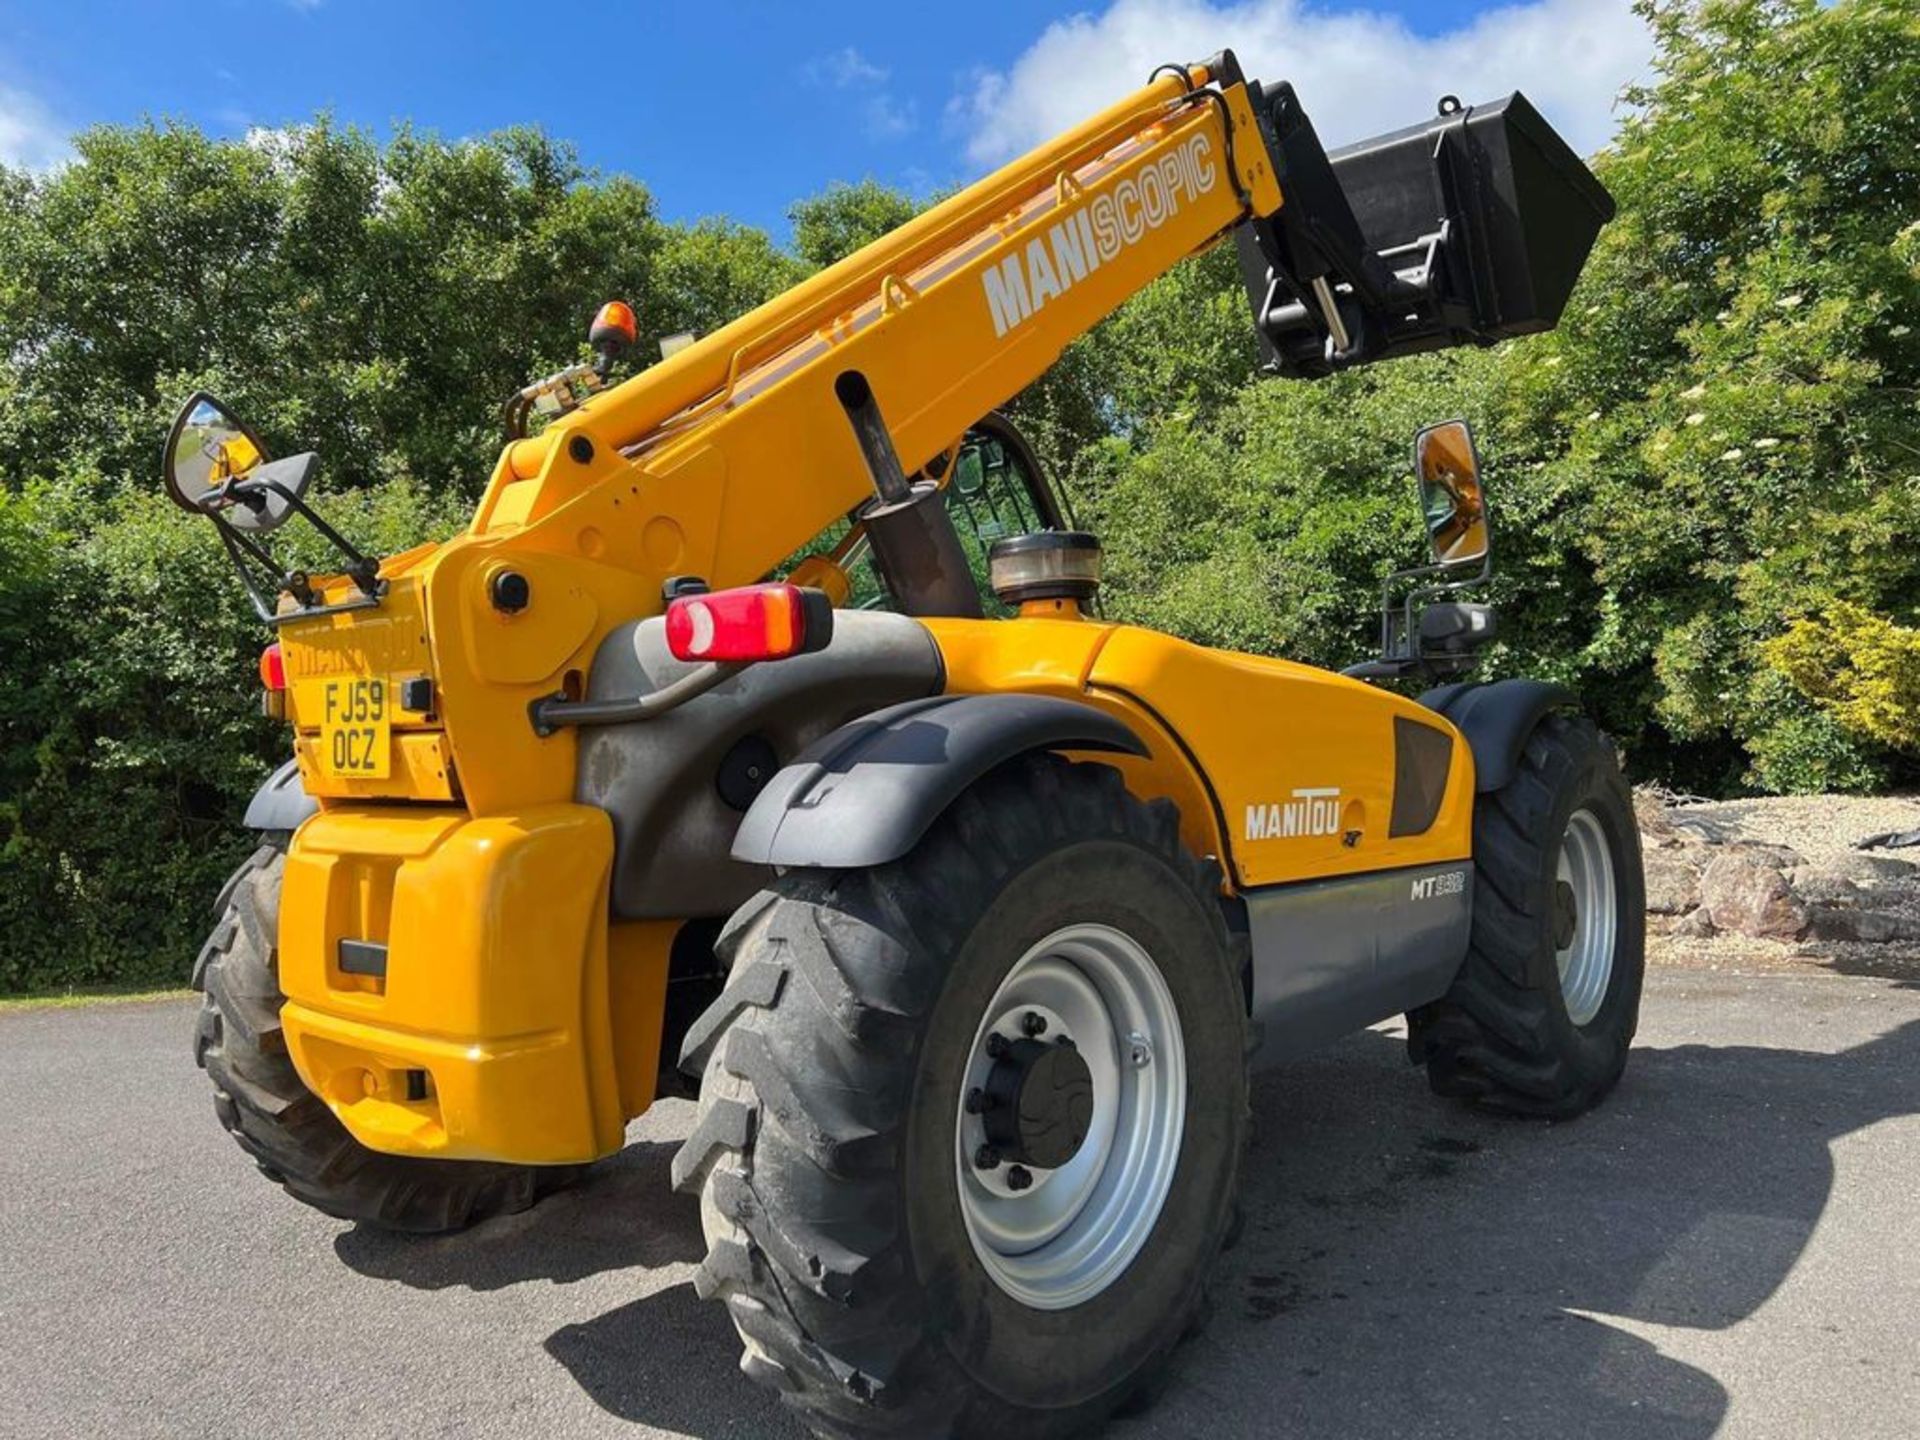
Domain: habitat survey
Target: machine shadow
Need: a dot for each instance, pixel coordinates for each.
(1409, 1267)
(623, 1214)
(671, 1361)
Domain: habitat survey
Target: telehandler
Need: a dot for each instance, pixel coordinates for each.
(965, 914)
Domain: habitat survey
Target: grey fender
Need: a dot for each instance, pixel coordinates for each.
(866, 793)
(282, 802)
(1497, 719)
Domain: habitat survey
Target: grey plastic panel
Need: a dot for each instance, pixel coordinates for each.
(1422, 760)
(656, 779)
(282, 802)
(1334, 956)
(866, 794)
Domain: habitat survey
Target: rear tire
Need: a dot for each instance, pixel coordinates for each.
(1540, 1017)
(288, 1130)
(832, 1150)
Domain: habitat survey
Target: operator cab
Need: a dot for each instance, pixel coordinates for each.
(1424, 632)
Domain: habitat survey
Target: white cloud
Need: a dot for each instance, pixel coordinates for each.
(842, 69)
(886, 116)
(1358, 73)
(889, 119)
(30, 138)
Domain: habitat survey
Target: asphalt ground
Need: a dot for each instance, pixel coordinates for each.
(1730, 1246)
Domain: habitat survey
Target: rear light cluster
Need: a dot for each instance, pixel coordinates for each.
(753, 622)
(273, 681)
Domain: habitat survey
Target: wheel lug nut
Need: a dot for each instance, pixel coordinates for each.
(1019, 1177)
(978, 1101)
(1033, 1023)
(996, 1045)
(986, 1158)
(1065, 1042)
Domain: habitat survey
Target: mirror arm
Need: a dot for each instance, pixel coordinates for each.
(1447, 579)
(238, 548)
(364, 572)
(241, 547)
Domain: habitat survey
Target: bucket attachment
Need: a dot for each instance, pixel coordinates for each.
(1467, 229)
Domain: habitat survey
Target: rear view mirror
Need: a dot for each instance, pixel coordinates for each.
(208, 447)
(1451, 502)
(215, 464)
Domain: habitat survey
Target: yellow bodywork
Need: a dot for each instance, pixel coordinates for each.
(514, 1021)
(1228, 733)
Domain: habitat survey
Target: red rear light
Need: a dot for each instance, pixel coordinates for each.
(273, 668)
(754, 622)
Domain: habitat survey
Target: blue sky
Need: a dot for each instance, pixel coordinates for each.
(740, 108)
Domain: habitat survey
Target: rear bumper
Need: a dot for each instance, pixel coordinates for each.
(488, 1036)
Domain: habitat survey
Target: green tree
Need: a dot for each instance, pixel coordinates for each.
(374, 304)
(1737, 391)
(833, 224)
(130, 727)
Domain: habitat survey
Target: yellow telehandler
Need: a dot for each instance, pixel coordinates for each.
(963, 912)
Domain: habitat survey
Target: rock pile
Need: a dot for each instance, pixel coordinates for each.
(1701, 880)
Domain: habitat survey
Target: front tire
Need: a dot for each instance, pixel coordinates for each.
(880, 1270)
(292, 1136)
(1540, 1017)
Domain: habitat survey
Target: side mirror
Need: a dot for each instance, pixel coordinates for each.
(1451, 501)
(215, 464)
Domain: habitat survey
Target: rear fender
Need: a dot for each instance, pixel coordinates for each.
(282, 802)
(865, 794)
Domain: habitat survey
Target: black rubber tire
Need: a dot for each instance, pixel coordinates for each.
(823, 1149)
(1502, 1036)
(288, 1130)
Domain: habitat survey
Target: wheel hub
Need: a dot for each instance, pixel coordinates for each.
(1566, 915)
(1038, 1102)
(1584, 916)
(1072, 1107)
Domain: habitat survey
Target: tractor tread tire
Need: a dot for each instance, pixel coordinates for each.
(292, 1136)
(809, 1054)
(1501, 1037)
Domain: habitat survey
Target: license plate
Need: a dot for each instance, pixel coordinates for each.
(356, 728)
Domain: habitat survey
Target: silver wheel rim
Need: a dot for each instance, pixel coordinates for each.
(1073, 1230)
(1586, 960)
